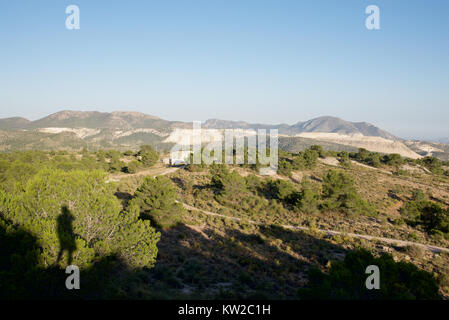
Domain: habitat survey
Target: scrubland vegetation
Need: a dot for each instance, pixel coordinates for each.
(218, 231)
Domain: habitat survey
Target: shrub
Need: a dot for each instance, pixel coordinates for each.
(414, 251)
(308, 197)
(400, 172)
(433, 164)
(284, 191)
(156, 200)
(132, 166)
(362, 155)
(339, 192)
(128, 153)
(411, 211)
(346, 280)
(116, 165)
(418, 195)
(344, 159)
(308, 201)
(319, 149)
(434, 218)
(298, 163)
(426, 213)
(374, 160)
(311, 158)
(307, 159)
(194, 168)
(77, 211)
(285, 168)
(228, 184)
(148, 157)
(393, 159)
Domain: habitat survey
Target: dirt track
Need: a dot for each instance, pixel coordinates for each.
(158, 171)
(401, 243)
(396, 242)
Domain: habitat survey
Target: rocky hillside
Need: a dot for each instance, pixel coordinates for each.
(431, 149)
(336, 125)
(99, 120)
(15, 123)
(130, 129)
(322, 124)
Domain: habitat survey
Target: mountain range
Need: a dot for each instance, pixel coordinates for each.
(136, 120)
(92, 129)
(322, 124)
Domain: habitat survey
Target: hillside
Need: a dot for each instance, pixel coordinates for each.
(129, 130)
(336, 125)
(297, 144)
(30, 140)
(100, 120)
(432, 149)
(322, 124)
(223, 231)
(372, 143)
(15, 123)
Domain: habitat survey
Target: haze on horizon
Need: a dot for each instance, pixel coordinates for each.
(255, 61)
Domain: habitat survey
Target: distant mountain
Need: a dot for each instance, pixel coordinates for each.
(15, 123)
(426, 148)
(99, 120)
(322, 124)
(132, 129)
(32, 140)
(227, 124)
(337, 125)
(84, 128)
(137, 120)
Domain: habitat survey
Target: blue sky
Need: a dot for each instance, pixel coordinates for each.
(255, 60)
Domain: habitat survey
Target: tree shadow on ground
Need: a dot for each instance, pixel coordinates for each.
(394, 196)
(197, 262)
(177, 181)
(22, 275)
(193, 262)
(123, 195)
(233, 261)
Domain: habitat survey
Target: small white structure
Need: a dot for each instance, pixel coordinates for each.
(178, 158)
(174, 162)
(177, 162)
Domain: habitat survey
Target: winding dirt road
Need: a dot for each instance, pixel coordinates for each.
(396, 242)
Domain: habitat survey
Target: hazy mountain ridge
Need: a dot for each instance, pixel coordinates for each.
(123, 129)
(425, 148)
(137, 120)
(32, 140)
(229, 124)
(14, 123)
(337, 125)
(321, 124)
(99, 120)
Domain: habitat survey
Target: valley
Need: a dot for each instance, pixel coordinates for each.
(198, 231)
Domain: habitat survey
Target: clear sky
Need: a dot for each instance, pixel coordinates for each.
(254, 60)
